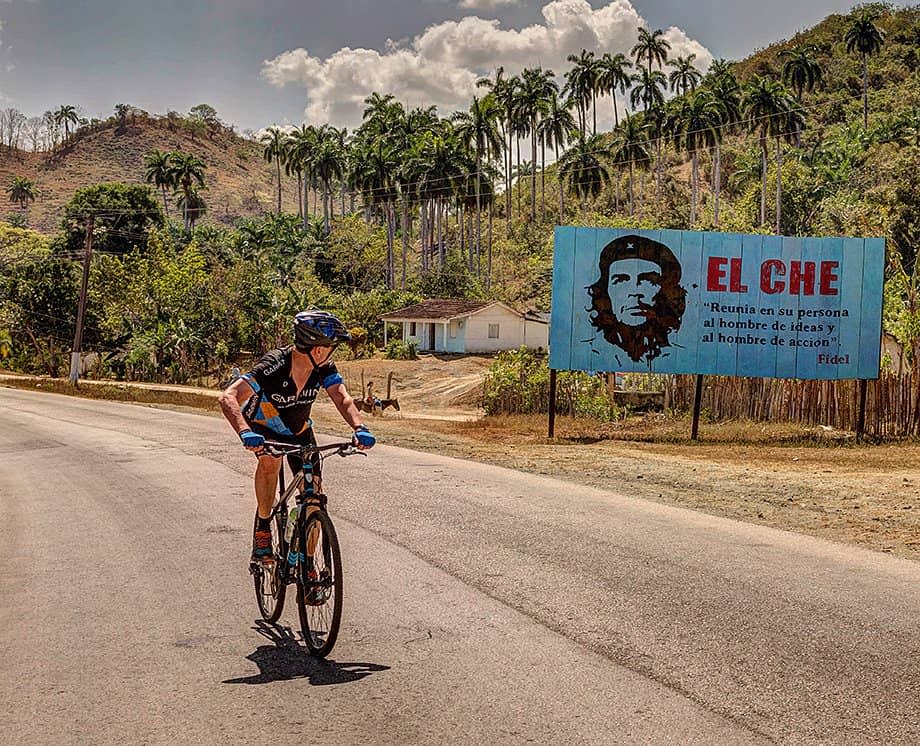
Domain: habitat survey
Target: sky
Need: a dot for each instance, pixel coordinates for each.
(289, 61)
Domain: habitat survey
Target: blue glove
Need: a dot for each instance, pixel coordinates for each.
(363, 437)
(251, 439)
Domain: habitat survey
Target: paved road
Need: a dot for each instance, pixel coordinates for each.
(482, 605)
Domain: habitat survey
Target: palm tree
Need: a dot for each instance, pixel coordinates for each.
(328, 164)
(157, 172)
(192, 205)
(21, 190)
(185, 171)
(583, 170)
(537, 85)
(801, 70)
(649, 89)
(722, 84)
(478, 131)
(275, 148)
(554, 130)
(696, 125)
(865, 37)
(302, 142)
(684, 75)
(504, 90)
(771, 111)
(581, 85)
(651, 47)
(376, 165)
(630, 147)
(613, 75)
(67, 115)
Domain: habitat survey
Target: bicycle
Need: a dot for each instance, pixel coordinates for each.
(306, 551)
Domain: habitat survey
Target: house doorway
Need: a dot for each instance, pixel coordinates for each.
(431, 337)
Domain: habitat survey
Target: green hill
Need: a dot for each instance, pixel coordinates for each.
(239, 181)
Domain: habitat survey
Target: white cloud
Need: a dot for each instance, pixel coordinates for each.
(485, 4)
(440, 66)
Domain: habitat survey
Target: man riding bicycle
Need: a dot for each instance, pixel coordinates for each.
(273, 401)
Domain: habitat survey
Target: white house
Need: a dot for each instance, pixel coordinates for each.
(464, 326)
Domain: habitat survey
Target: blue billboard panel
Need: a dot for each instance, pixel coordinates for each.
(716, 303)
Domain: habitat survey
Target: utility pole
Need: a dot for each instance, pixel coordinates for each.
(81, 307)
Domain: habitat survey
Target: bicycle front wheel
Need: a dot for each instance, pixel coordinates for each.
(269, 580)
(319, 586)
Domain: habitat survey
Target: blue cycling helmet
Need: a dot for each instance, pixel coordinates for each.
(318, 329)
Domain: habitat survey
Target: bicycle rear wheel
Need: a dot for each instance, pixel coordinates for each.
(268, 578)
(319, 586)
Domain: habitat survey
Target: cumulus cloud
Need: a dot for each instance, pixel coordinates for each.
(440, 66)
(485, 4)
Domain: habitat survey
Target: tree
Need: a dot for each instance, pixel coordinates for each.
(121, 115)
(583, 170)
(555, 130)
(613, 75)
(123, 214)
(21, 190)
(771, 111)
(275, 148)
(722, 84)
(630, 147)
(649, 88)
(158, 172)
(864, 37)
(537, 85)
(207, 114)
(651, 47)
(185, 171)
(302, 143)
(684, 75)
(478, 131)
(375, 169)
(65, 116)
(801, 70)
(504, 90)
(38, 298)
(581, 85)
(328, 165)
(192, 206)
(696, 125)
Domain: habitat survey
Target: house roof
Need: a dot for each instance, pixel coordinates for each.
(437, 308)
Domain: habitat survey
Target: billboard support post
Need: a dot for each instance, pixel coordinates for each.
(552, 403)
(697, 400)
(861, 410)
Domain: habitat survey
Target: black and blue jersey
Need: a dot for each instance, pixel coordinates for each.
(277, 405)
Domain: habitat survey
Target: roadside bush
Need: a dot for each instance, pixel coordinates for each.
(518, 383)
(399, 350)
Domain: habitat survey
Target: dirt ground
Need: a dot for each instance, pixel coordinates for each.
(812, 480)
(815, 481)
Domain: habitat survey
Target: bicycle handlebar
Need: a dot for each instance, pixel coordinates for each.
(343, 449)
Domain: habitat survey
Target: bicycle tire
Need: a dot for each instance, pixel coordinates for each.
(321, 613)
(269, 580)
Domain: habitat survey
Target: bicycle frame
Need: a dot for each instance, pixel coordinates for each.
(302, 489)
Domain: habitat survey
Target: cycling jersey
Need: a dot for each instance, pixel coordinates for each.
(277, 405)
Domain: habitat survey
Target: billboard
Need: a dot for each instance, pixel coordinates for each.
(716, 303)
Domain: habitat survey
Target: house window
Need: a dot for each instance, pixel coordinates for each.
(493, 331)
(411, 328)
(452, 330)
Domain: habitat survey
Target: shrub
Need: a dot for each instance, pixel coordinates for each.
(518, 383)
(399, 350)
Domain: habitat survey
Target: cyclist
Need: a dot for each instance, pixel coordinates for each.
(273, 401)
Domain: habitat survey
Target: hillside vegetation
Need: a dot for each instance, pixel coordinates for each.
(819, 134)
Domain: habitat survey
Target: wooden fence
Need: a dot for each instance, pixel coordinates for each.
(892, 402)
